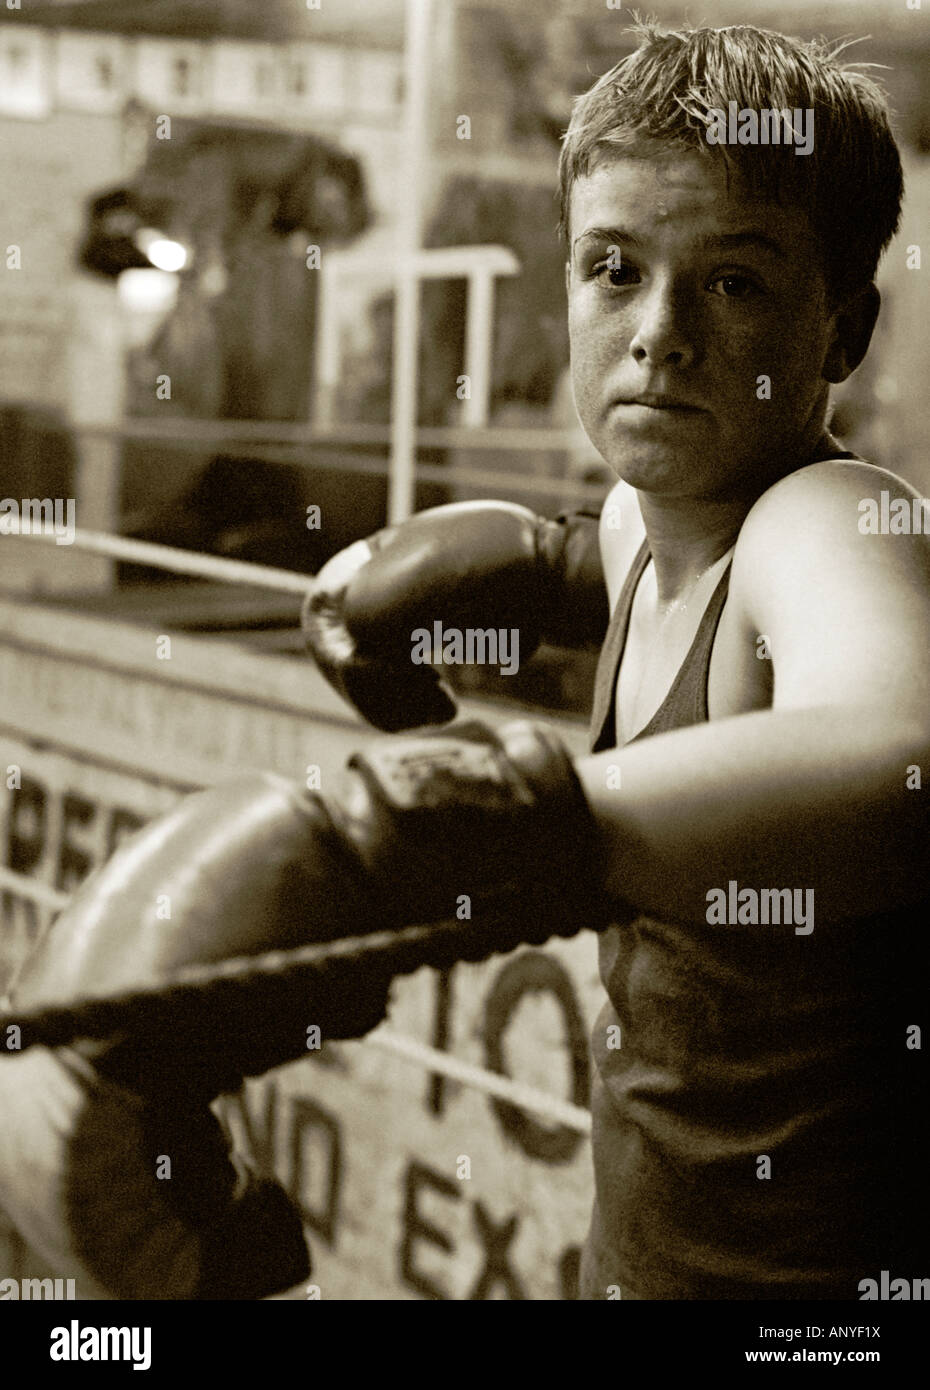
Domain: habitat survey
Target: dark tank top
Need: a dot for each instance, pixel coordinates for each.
(748, 1050)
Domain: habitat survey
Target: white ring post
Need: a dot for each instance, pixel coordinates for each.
(409, 233)
(479, 341)
(96, 379)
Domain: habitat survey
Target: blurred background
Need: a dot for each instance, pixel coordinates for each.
(208, 206)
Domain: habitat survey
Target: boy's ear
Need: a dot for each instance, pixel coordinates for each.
(568, 276)
(854, 322)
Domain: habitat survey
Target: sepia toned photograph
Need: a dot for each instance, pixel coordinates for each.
(465, 666)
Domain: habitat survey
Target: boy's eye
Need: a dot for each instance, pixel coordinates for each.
(616, 273)
(735, 286)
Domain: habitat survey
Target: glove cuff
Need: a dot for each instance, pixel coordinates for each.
(495, 816)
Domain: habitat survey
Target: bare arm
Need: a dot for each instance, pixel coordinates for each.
(812, 793)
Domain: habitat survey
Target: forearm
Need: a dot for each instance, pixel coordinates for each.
(801, 799)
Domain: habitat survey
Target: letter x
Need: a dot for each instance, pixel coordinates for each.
(496, 1240)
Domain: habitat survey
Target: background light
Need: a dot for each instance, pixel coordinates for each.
(166, 255)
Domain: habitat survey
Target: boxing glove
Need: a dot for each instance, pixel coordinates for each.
(468, 565)
(85, 1130)
(419, 824)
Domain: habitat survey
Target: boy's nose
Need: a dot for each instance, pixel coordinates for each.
(665, 335)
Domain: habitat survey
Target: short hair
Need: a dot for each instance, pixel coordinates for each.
(662, 94)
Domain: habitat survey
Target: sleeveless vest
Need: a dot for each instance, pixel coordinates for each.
(760, 1130)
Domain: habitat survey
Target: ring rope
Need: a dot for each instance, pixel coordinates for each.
(178, 561)
(490, 1082)
(280, 442)
(228, 985)
(41, 893)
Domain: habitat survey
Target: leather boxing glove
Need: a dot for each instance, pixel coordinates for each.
(467, 565)
(232, 871)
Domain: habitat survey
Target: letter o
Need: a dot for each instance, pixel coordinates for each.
(529, 973)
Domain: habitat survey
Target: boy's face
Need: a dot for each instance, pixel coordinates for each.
(713, 291)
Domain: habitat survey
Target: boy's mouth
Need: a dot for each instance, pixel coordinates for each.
(660, 402)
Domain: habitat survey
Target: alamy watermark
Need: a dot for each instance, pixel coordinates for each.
(746, 126)
(37, 1290)
(886, 1289)
(77, 1343)
(470, 646)
(894, 516)
(749, 907)
(38, 516)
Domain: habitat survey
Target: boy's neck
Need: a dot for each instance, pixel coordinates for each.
(688, 536)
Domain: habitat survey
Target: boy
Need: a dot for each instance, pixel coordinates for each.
(759, 1042)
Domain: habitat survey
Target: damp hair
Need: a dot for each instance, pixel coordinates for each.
(659, 100)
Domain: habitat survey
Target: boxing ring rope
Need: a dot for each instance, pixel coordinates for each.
(190, 562)
(288, 444)
(406, 1048)
(41, 893)
(516, 1093)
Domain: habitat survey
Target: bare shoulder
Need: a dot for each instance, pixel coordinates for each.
(823, 492)
(833, 564)
(620, 534)
(835, 513)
